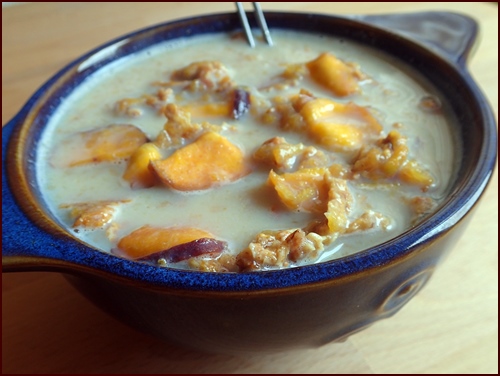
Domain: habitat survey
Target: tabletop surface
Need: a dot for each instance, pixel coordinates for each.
(451, 326)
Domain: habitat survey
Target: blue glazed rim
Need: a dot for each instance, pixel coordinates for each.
(30, 246)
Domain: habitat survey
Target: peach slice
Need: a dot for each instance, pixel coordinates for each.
(208, 109)
(334, 74)
(303, 190)
(340, 201)
(278, 153)
(388, 159)
(148, 240)
(339, 126)
(237, 105)
(107, 144)
(138, 173)
(94, 214)
(412, 173)
(209, 161)
(184, 251)
(179, 128)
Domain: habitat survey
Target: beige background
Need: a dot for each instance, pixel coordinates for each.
(47, 327)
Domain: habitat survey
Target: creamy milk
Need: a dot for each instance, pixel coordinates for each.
(236, 212)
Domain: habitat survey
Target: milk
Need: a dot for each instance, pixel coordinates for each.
(236, 212)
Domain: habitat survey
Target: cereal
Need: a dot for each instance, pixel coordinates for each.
(241, 160)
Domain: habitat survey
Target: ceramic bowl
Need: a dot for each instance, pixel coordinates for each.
(301, 307)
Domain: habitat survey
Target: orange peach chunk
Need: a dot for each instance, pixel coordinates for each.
(208, 109)
(148, 240)
(179, 128)
(94, 214)
(339, 126)
(236, 105)
(412, 173)
(303, 190)
(339, 205)
(336, 136)
(209, 161)
(278, 153)
(388, 158)
(138, 173)
(107, 144)
(334, 74)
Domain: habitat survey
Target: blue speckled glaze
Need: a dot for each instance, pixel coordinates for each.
(22, 239)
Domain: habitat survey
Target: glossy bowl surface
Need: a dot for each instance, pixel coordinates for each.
(266, 309)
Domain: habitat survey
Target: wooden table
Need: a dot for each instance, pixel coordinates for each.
(47, 327)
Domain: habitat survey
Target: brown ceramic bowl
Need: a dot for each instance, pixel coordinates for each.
(301, 307)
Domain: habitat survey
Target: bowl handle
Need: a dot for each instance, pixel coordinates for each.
(23, 243)
(451, 35)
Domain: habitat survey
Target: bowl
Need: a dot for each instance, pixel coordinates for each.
(307, 306)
